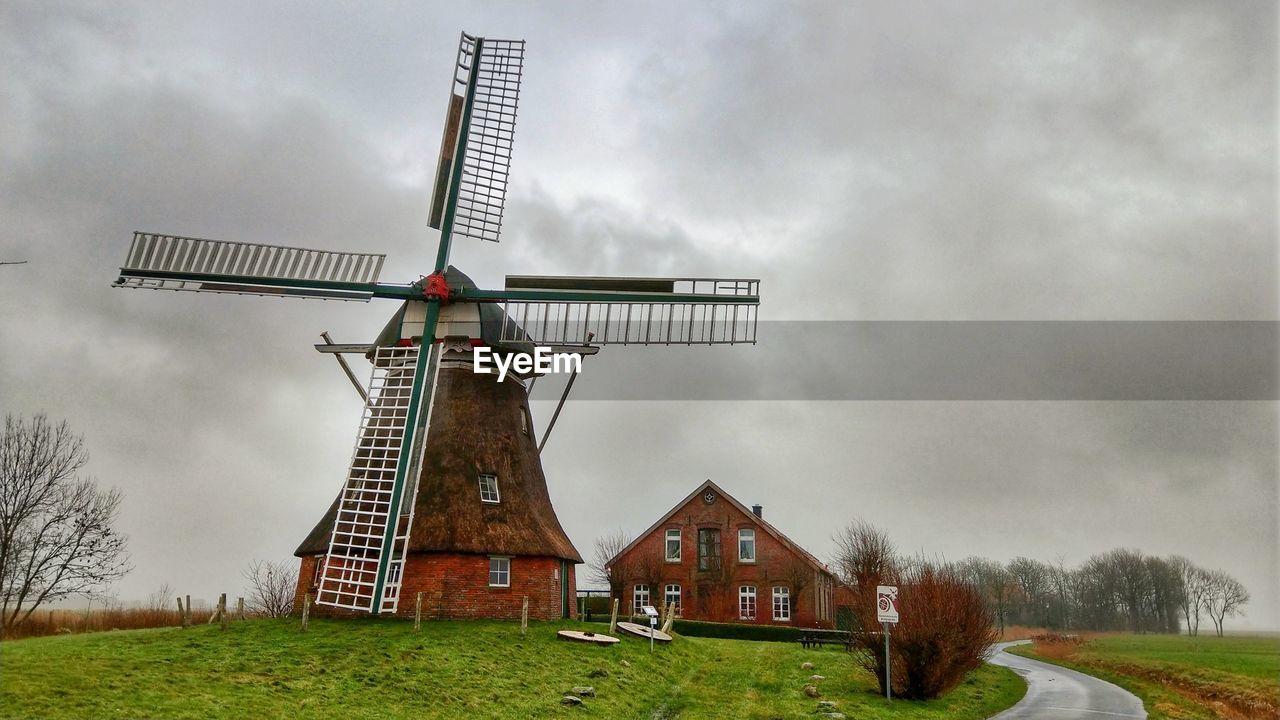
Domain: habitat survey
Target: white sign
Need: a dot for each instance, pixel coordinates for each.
(649, 610)
(887, 603)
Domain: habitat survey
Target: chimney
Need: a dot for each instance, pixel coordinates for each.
(758, 510)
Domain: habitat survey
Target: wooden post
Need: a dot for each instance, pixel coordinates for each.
(239, 608)
(51, 627)
(613, 619)
(182, 615)
(186, 619)
(417, 612)
(524, 616)
(222, 611)
(306, 610)
(671, 618)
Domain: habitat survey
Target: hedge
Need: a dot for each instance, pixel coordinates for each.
(737, 631)
(726, 631)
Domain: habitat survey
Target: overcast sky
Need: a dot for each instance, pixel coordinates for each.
(867, 161)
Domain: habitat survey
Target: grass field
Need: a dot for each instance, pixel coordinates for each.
(1181, 677)
(380, 669)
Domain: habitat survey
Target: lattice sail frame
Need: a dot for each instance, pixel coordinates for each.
(717, 319)
(173, 262)
(486, 162)
(383, 444)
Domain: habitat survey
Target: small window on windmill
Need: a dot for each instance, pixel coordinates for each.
(499, 572)
(489, 488)
(524, 420)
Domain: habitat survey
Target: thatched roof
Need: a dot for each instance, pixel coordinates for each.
(476, 428)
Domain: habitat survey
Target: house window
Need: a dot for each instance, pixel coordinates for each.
(747, 602)
(747, 545)
(781, 603)
(489, 488)
(709, 549)
(315, 579)
(639, 599)
(672, 597)
(499, 572)
(673, 545)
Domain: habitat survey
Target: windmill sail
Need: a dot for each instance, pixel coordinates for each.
(171, 262)
(630, 311)
(488, 72)
(369, 504)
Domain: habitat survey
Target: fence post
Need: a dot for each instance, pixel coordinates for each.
(417, 612)
(186, 619)
(222, 610)
(306, 610)
(524, 616)
(239, 608)
(613, 619)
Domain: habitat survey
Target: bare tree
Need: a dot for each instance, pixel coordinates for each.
(798, 574)
(1224, 597)
(1194, 585)
(864, 555)
(161, 598)
(271, 587)
(57, 535)
(606, 567)
(994, 583)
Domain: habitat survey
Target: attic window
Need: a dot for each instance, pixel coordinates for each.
(746, 545)
(489, 489)
(524, 420)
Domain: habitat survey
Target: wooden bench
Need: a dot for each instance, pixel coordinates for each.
(815, 637)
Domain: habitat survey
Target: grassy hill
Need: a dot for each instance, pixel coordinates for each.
(383, 669)
(1180, 677)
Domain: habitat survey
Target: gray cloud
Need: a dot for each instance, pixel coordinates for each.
(866, 161)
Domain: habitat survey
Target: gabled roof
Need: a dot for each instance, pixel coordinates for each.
(775, 532)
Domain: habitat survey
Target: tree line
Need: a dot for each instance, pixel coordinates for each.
(1117, 590)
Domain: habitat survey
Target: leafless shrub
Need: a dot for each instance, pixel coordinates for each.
(945, 629)
(271, 587)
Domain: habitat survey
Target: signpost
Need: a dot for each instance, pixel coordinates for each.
(887, 614)
(652, 613)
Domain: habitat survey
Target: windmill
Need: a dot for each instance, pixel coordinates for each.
(428, 420)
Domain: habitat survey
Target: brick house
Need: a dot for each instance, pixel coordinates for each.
(717, 560)
(483, 534)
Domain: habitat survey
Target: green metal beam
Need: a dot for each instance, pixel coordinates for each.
(421, 397)
(603, 296)
(380, 290)
(459, 156)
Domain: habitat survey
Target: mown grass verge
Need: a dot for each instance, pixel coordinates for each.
(383, 669)
(1180, 677)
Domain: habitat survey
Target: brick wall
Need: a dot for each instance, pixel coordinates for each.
(457, 586)
(713, 595)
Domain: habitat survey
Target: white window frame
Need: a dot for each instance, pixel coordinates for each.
(747, 534)
(497, 496)
(781, 603)
(678, 536)
(671, 594)
(639, 598)
(500, 566)
(747, 602)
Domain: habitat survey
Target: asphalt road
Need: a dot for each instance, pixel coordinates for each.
(1056, 693)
